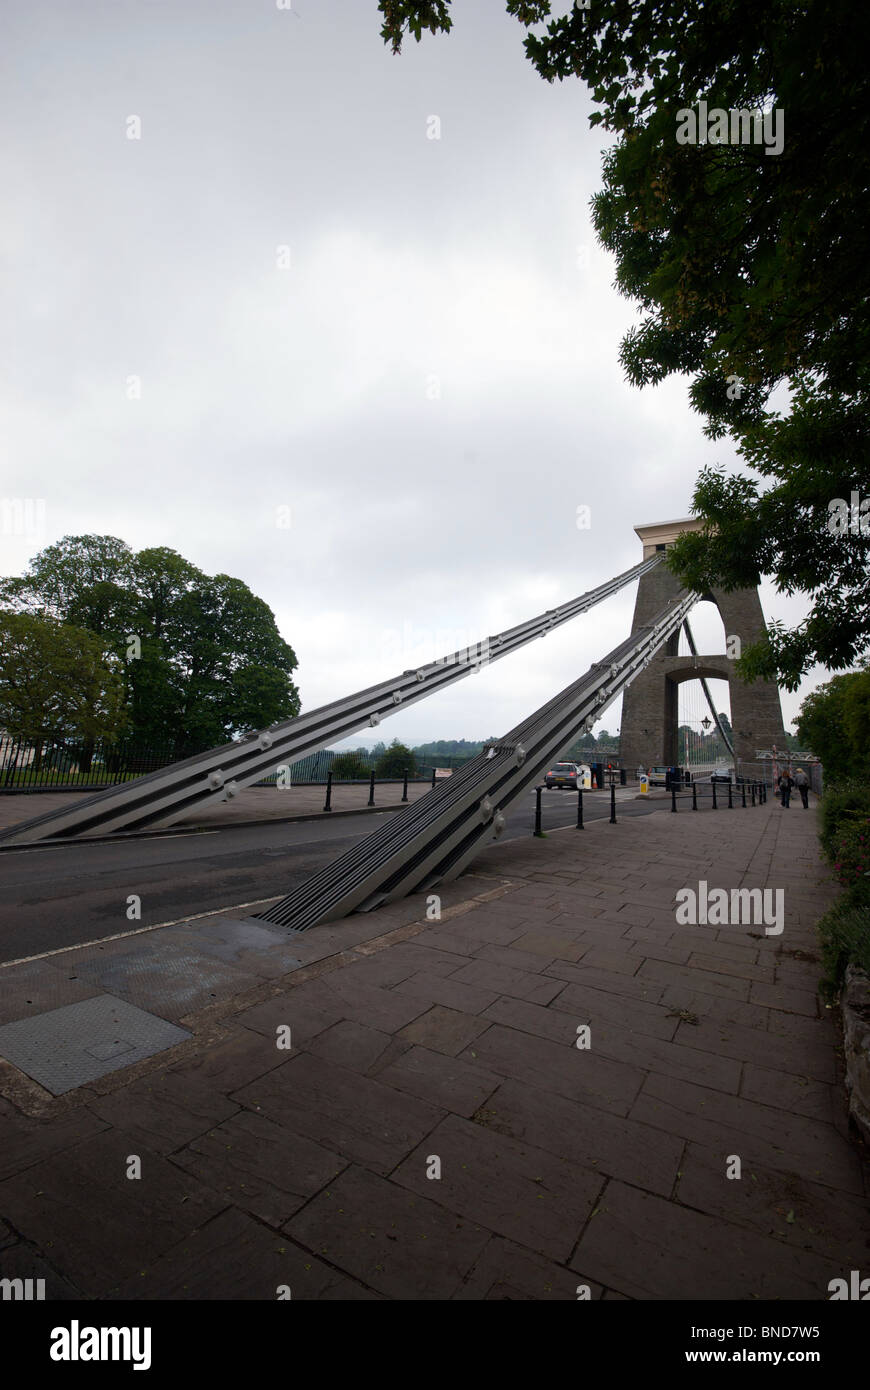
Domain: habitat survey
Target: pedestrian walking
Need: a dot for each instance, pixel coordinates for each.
(785, 782)
(802, 782)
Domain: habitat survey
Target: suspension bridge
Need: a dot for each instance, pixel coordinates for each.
(436, 837)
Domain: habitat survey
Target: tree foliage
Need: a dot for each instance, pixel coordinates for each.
(202, 655)
(57, 681)
(350, 766)
(748, 268)
(834, 723)
(395, 760)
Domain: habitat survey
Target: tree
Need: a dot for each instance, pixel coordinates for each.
(234, 662)
(202, 656)
(834, 723)
(349, 767)
(745, 262)
(83, 580)
(57, 681)
(394, 761)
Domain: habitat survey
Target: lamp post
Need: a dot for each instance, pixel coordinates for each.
(706, 725)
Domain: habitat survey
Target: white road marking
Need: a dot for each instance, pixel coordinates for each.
(77, 844)
(118, 936)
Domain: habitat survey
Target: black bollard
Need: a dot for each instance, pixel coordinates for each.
(433, 779)
(328, 805)
(622, 776)
(673, 797)
(753, 793)
(694, 797)
(743, 791)
(372, 789)
(612, 804)
(713, 785)
(538, 830)
(579, 808)
(730, 801)
(405, 787)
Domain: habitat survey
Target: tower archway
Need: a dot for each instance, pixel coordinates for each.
(650, 712)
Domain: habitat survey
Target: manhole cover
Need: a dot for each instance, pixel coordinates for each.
(68, 1047)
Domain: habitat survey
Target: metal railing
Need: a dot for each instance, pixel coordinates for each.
(720, 796)
(34, 765)
(40, 764)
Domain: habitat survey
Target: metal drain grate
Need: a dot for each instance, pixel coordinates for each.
(69, 1047)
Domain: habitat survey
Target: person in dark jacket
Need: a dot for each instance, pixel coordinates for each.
(802, 782)
(785, 782)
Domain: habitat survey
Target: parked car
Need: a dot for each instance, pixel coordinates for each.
(563, 775)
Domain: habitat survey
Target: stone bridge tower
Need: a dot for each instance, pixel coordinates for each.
(648, 732)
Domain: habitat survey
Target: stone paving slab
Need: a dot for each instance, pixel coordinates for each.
(358, 1117)
(648, 1247)
(235, 1257)
(445, 1030)
(390, 1238)
(434, 1130)
(757, 1133)
(607, 1145)
(508, 1271)
(261, 1167)
(164, 1110)
(76, 1209)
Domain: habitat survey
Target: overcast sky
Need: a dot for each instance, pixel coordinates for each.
(406, 346)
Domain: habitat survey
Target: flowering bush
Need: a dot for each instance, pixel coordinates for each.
(843, 803)
(851, 852)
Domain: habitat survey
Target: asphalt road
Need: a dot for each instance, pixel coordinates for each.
(67, 895)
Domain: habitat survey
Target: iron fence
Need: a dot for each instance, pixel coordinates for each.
(34, 765)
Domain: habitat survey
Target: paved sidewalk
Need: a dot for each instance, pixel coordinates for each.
(422, 1045)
